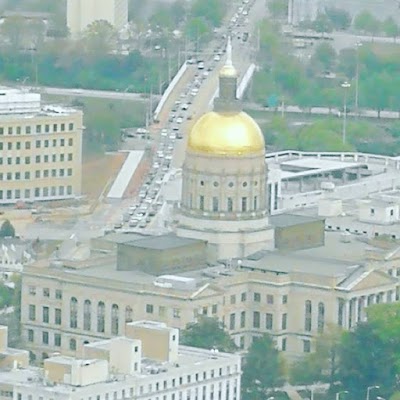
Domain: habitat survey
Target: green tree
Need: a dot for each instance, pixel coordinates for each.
(7, 230)
(197, 30)
(377, 89)
(208, 333)
(99, 39)
(390, 27)
(367, 23)
(322, 24)
(13, 31)
(262, 368)
(325, 55)
(347, 62)
(366, 360)
(278, 8)
(340, 19)
(211, 10)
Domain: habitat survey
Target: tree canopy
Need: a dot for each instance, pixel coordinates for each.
(208, 333)
(7, 229)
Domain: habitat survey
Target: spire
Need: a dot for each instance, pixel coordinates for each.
(228, 62)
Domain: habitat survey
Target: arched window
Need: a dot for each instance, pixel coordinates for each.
(72, 344)
(73, 314)
(307, 316)
(321, 317)
(87, 315)
(101, 310)
(114, 319)
(128, 314)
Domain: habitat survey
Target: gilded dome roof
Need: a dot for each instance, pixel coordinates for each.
(228, 71)
(226, 134)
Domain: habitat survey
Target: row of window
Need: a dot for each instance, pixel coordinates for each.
(46, 173)
(46, 292)
(38, 144)
(257, 298)
(244, 204)
(230, 184)
(38, 128)
(268, 323)
(38, 159)
(36, 193)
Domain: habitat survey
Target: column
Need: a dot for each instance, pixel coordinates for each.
(346, 314)
(290, 12)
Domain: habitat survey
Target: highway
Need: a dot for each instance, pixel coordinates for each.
(102, 94)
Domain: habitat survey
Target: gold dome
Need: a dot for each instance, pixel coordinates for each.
(228, 71)
(226, 134)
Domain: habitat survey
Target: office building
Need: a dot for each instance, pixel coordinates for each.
(82, 13)
(40, 149)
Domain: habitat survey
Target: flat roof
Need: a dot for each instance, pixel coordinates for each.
(284, 220)
(318, 163)
(125, 174)
(121, 237)
(163, 242)
(335, 258)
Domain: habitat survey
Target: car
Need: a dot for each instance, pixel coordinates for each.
(179, 136)
(245, 12)
(133, 223)
(143, 224)
(172, 136)
(184, 107)
(179, 120)
(200, 65)
(164, 132)
(205, 73)
(118, 225)
(217, 57)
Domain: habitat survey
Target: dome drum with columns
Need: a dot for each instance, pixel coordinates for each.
(224, 187)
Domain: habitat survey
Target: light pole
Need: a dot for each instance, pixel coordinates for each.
(339, 393)
(358, 45)
(345, 86)
(371, 388)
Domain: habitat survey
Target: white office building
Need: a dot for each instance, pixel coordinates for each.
(81, 13)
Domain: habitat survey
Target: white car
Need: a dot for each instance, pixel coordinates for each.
(245, 12)
(179, 120)
(164, 132)
(217, 57)
(184, 107)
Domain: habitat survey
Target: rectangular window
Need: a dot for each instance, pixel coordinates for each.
(62, 157)
(57, 316)
(18, 130)
(27, 175)
(149, 308)
(214, 309)
(37, 159)
(46, 143)
(9, 146)
(27, 193)
(54, 127)
(58, 294)
(230, 204)
(69, 189)
(243, 297)
(284, 299)
(18, 145)
(32, 290)
(71, 126)
(37, 174)
(54, 142)
(1, 131)
(62, 142)
(255, 203)
(28, 130)
(233, 299)
(31, 335)
(18, 160)
(283, 347)
(257, 297)
(32, 312)
(215, 204)
(232, 321)
(18, 176)
(176, 312)
(10, 130)
(17, 191)
(47, 128)
(57, 339)
(69, 156)
(45, 337)
(38, 128)
(38, 144)
(1, 146)
(46, 314)
(270, 299)
(70, 142)
(46, 173)
(62, 127)
(201, 203)
(244, 204)
(284, 321)
(46, 158)
(306, 346)
(269, 321)
(256, 319)
(243, 319)
(27, 160)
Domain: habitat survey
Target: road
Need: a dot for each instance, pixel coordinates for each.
(102, 94)
(363, 113)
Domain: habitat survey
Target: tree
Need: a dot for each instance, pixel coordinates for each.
(323, 364)
(12, 29)
(262, 368)
(390, 27)
(208, 333)
(99, 39)
(340, 19)
(325, 55)
(197, 30)
(347, 62)
(377, 89)
(367, 23)
(322, 24)
(211, 10)
(366, 360)
(278, 8)
(7, 230)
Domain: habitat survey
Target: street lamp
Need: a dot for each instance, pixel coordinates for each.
(358, 45)
(339, 393)
(371, 388)
(345, 86)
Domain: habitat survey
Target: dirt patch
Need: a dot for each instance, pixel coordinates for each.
(99, 171)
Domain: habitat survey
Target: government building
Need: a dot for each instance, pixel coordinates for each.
(153, 367)
(225, 256)
(40, 149)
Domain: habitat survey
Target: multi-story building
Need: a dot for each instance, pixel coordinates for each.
(40, 149)
(311, 281)
(148, 364)
(81, 13)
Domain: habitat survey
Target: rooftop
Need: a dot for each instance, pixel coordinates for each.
(284, 220)
(163, 242)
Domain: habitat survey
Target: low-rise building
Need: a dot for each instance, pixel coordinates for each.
(291, 293)
(148, 364)
(40, 149)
